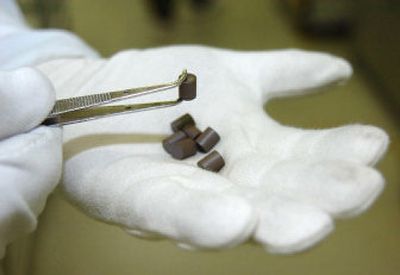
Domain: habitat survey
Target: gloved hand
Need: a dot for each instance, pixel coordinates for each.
(30, 158)
(281, 186)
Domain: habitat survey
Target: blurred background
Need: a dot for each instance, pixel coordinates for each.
(365, 32)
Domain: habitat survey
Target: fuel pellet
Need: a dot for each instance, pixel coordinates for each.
(207, 140)
(169, 142)
(212, 162)
(182, 149)
(191, 131)
(180, 122)
(188, 89)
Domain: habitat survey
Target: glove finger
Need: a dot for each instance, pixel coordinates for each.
(341, 188)
(30, 167)
(287, 226)
(27, 48)
(288, 72)
(363, 144)
(27, 97)
(150, 194)
(30, 163)
(11, 17)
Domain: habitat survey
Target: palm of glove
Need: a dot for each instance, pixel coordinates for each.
(280, 186)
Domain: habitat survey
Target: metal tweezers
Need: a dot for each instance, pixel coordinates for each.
(84, 108)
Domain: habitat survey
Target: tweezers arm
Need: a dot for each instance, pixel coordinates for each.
(76, 103)
(105, 111)
(88, 101)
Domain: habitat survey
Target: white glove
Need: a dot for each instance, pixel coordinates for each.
(22, 46)
(281, 186)
(30, 158)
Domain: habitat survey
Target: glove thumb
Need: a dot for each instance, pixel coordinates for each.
(26, 98)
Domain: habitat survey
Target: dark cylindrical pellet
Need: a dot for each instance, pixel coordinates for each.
(191, 131)
(187, 89)
(207, 140)
(169, 142)
(212, 162)
(183, 149)
(181, 122)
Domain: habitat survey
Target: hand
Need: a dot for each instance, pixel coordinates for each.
(281, 186)
(30, 158)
